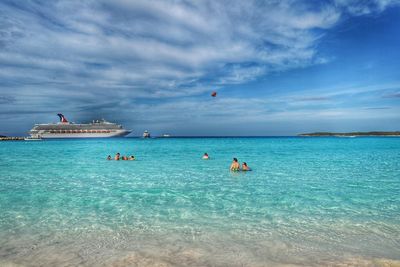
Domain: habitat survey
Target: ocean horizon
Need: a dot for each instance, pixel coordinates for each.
(177, 136)
(307, 202)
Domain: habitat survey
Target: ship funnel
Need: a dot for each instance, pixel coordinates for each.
(62, 118)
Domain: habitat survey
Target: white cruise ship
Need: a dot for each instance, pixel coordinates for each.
(66, 129)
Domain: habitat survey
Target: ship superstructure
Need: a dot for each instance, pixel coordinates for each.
(66, 129)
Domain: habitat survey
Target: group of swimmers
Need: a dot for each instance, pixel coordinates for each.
(119, 157)
(235, 166)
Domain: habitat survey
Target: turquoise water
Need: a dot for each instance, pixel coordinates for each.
(307, 202)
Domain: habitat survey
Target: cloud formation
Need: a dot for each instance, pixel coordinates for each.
(150, 47)
(360, 7)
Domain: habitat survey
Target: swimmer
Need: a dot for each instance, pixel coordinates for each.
(117, 156)
(124, 158)
(131, 158)
(235, 165)
(205, 156)
(245, 167)
(109, 157)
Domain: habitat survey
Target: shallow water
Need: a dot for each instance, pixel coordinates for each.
(307, 202)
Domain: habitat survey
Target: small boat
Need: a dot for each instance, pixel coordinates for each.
(146, 134)
(33, 138)
(166, 135)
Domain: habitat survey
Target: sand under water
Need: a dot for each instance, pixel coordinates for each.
(307, 202)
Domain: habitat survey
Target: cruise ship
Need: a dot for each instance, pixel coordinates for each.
(66, 129)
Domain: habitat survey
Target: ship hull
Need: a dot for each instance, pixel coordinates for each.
(81, 135)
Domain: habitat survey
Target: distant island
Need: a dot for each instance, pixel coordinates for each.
(397, 133)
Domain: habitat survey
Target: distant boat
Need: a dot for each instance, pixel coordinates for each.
(31, 138)
(146, 134)
(166, 135)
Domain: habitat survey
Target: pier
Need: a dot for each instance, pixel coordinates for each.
(11, 138)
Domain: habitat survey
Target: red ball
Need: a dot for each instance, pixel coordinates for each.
(214, 94)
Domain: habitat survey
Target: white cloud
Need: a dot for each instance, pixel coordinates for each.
(163, 42)
(360, 7)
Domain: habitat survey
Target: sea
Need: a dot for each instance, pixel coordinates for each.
(308, 201)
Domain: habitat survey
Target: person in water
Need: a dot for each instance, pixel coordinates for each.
(109, 157)
(205, 156)
(117, 156)
(131, 158)
(235, 165)
(124, 158)
(245, 167)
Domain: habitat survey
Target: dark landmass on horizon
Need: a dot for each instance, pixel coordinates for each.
(376, 133)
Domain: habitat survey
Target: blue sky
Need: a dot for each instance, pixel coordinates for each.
(279, 67)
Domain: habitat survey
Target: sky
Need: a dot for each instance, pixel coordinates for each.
(279, 67)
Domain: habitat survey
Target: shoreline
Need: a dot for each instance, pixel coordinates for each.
(349, 136)
(126, 248)
(12, 138)
(352, 134)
